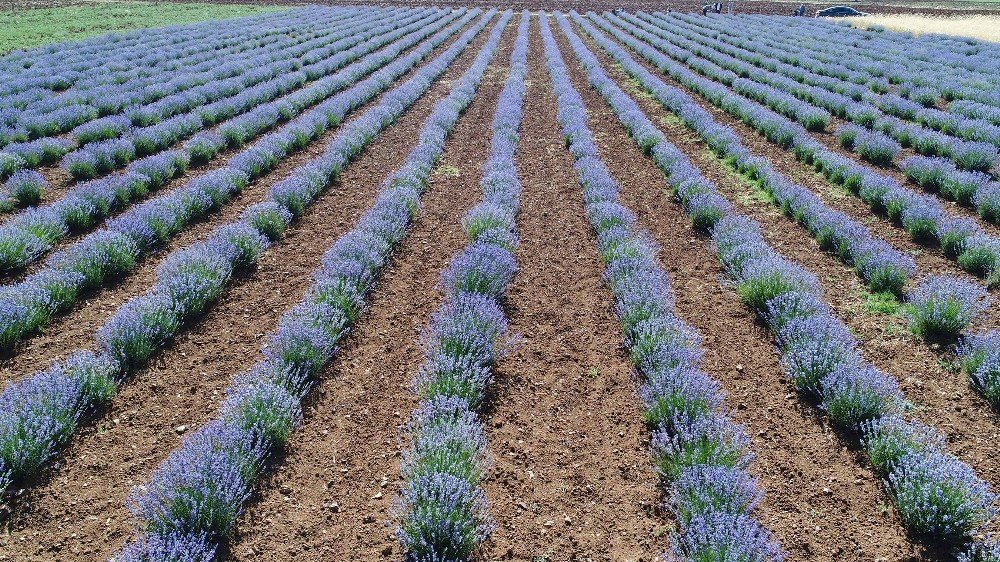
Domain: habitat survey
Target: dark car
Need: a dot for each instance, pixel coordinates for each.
(838, 12)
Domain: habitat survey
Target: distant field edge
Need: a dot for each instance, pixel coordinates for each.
(29, 24)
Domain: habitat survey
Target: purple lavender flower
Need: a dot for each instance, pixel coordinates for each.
(447, 438)
(139, 328)
(480, 268)
(242, 244)
(940, 497)
(853, 395)
(719, 535)
(485, 217)
(952, 234)
(792, 306)
(269, 218)
(888, 439)
(712, 440)
(468, 325)
(194, 277)
(443, 517)
(170, 547)
(39, 413)
(760, 280)
(980, 355)
(700, 490)
(306, 338)
(26, 187)
(99, 256)
(984, 550)
(813, 348)
(202, 486)
(19, 247)
(679, 395)
(974, 156)
(261, 407)
(662, 342)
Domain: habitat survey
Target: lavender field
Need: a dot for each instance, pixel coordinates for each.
(444, 284)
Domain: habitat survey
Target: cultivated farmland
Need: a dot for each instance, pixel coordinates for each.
(443, 284)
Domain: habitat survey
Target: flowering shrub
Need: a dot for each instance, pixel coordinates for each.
(943, 306)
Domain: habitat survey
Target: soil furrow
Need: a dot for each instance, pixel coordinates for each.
(79, 512)
(330, 496)
(572, 477)
(821, 501)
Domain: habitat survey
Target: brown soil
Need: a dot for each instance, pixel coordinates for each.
(941, 395)
(573, 479)
(79, 511)
(330, 497)
(821, 501)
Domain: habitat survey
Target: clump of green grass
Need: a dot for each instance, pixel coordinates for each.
(31, 27)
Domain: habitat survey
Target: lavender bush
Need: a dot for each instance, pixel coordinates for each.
(942, 306)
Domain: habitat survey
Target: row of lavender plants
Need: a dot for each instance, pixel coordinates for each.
(962, 180)
(977, 154)
(783, 95)
(55, 114)
(941, 307)
(882, 267)
(273, 73)
(923, 69)
(441, 511)
(193, 498)
(116, 143)
(938, 496)
(110, 253)
(244, 98)
(115, 88)
(40, 412)
(693, 55)
(112, 142)
(107, 153)
(922, 111)
(700, 453)
(922, 216)
(971, 189)
(99, 60)
(32, 233)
